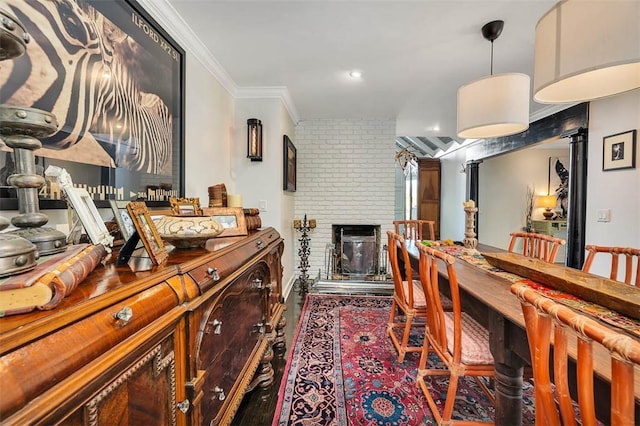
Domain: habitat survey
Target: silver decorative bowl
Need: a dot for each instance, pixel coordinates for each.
(188, 231)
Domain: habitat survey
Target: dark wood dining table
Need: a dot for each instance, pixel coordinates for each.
(487, 297)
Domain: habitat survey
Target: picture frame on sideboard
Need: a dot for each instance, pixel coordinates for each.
(231, 218)
(147, 231)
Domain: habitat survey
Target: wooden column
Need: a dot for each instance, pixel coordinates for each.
(473, 180)
(577, 213)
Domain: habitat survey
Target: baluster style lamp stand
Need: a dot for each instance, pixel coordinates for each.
(470, 242)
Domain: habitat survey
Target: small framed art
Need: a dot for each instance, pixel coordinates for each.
(290, 164)
(121, 215)
(619, 151)
(231, 219)
(89, 216)
(147, 231)
(185, 206)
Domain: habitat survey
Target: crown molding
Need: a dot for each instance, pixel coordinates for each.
(171, 21)
(270, 92)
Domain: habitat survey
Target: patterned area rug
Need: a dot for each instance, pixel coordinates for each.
(343, 369)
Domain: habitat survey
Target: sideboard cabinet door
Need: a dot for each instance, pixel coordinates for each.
(144, 393)
(231, 342)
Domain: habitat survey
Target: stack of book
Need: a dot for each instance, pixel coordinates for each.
(252, 217)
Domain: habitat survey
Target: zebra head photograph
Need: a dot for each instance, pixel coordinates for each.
(113, 83)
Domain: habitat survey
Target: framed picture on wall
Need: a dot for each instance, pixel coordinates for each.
(290, 164)
(94, 50)
(619, 151)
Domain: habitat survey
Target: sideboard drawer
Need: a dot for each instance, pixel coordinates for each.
(216, 270)
(60, 354)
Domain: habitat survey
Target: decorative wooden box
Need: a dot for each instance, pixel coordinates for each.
(620, 297)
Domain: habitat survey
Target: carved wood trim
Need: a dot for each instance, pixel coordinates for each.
(159, 364)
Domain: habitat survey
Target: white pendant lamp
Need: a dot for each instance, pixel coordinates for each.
(586, 50)
(496, 105)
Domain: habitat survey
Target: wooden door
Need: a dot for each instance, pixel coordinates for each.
(429, 192)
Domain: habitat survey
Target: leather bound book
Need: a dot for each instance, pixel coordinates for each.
(45, 286)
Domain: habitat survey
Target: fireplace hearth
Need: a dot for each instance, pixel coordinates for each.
(355, 261)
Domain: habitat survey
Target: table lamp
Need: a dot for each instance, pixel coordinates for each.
(547, 202)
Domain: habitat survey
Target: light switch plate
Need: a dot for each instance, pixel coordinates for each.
(604, 215)
(262, 205)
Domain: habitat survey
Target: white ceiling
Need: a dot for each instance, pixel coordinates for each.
(414, 55)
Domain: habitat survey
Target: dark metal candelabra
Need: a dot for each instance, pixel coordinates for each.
(304, 227)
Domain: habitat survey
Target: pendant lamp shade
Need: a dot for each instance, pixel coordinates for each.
(586, 50)
(496, 105)
(493, 106)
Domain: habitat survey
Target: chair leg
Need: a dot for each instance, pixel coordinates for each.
(405, 336)
(451, 398)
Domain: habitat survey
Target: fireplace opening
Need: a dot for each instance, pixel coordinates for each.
(355, 253)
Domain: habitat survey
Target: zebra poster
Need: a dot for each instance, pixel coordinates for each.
(114, 81)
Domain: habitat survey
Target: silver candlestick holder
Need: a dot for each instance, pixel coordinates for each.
(304, 227)
(19, 129)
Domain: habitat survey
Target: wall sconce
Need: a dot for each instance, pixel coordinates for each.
(254, 139)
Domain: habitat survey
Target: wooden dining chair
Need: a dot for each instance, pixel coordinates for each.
(457, 339)
(541, 246)
(630, 254)
(408, 301)
(414, 229)
(548, 321)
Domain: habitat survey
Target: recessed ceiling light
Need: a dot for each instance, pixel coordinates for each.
(355, 74)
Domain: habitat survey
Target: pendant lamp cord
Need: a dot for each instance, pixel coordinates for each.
(491, 57)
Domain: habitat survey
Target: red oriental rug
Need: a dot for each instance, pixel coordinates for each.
(343, 369)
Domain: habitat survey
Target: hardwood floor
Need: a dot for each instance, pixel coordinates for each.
(258, 406)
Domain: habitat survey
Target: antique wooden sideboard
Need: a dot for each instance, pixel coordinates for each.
(177, 345)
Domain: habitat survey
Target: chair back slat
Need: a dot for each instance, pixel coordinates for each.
(541, 315)
(430, 279)
(415, 229)
(541, 246)
(631, 258)
(397, 243)
(428, 269)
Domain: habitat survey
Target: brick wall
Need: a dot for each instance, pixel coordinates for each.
(346, 175)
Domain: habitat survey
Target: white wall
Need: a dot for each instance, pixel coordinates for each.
(503, 188)
(452, 194)
(260, 181)
(209, 124)
(345, 176)
(617, 190)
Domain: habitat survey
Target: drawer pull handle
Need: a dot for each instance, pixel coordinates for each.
(257, 283)
(213, 273)
(217, 326)
(220, 392)
(184, 406)
(124, 315)
(259, 328)
(260, 244)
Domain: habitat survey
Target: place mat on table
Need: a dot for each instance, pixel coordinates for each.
(599, 312)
